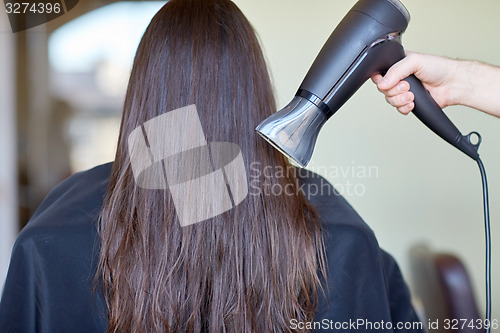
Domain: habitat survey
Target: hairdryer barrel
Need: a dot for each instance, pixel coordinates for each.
(367, 41)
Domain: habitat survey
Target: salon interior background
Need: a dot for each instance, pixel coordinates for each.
(59, 117)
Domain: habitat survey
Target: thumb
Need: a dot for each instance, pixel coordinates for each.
(399, 71)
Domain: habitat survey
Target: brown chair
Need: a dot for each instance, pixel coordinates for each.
(441, 281)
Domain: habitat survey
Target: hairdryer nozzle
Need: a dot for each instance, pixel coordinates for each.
(293, 130)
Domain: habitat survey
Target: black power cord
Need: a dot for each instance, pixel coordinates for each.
(487, 234)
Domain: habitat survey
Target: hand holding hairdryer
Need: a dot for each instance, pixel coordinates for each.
(367, 41)
(450, 81)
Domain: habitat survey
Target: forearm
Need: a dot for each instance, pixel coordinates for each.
(477, 85)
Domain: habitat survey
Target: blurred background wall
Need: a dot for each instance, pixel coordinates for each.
(62, 87)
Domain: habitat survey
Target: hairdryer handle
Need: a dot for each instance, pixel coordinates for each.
(428, 111)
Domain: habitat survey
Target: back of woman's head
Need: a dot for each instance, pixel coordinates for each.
(252, 268)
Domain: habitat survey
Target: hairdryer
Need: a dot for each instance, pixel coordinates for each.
(367, 41)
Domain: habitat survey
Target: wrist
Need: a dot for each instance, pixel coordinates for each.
(461, 84)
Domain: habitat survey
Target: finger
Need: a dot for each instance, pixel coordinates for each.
(376, 78)
(398, 72)
(405, 109)
(401, 88)
(400, 100)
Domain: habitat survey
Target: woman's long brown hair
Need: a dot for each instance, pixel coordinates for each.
(251, 269)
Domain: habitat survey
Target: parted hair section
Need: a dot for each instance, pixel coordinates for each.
(251, 268)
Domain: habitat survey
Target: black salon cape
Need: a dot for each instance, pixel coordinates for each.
(49, 287)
